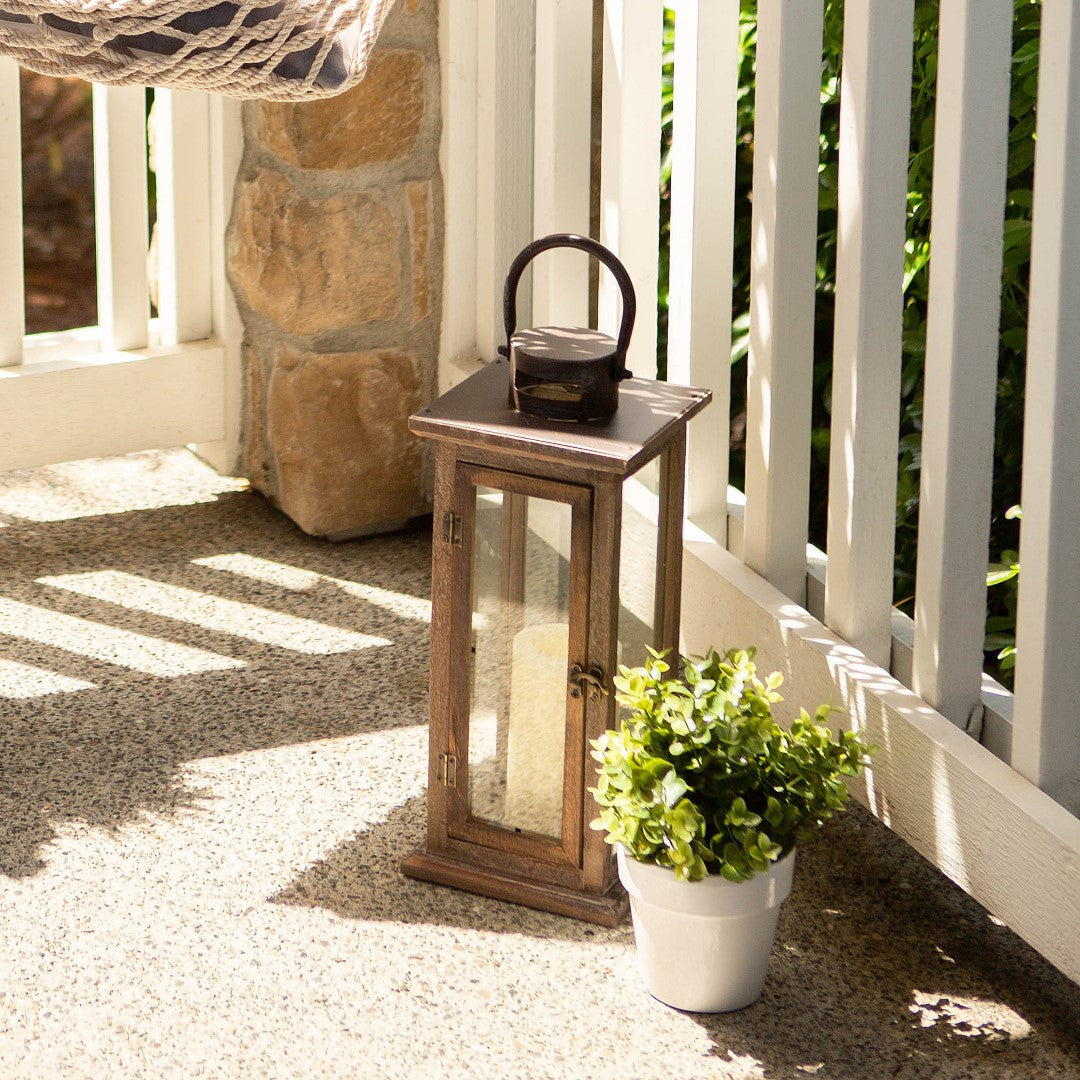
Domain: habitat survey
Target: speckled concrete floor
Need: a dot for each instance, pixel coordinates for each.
(211, 762)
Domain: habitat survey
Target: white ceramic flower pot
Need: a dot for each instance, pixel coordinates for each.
(704, 946)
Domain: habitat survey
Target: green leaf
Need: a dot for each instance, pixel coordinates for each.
(672, 788)
(768, 848)
(998, 573)
(774, 812)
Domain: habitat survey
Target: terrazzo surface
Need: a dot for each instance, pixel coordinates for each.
(212, 760)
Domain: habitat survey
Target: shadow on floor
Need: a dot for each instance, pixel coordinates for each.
(361, 879)
(882, 968)
(102, 742)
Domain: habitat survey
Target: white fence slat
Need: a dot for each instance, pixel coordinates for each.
(630, 167)
(185, 306)
(120, 201)
(1046, 730)
(504, 174)
(12, 287)
(782, 260)
(702, 227)
(961, 353)
(874, 140)
(562, 157)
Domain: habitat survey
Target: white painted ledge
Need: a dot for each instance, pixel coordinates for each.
(1001, 839)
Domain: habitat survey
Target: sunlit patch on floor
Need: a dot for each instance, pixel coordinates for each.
(293, 578)
(968, 1017)
(297, 579)
(126, 649)
(242, 620)
(141, 481)
(20, 681)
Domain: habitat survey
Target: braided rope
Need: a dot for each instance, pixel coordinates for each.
(278, 50)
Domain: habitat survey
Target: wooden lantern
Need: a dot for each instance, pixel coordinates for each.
(542, 583)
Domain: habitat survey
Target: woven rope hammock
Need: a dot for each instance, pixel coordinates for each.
(290, 50)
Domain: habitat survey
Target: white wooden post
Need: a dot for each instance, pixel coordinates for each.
(630, 167)
(562, 157)
(227, 147)
(12, 287)
(702, 227)
(504, 173)
(183, 190)
(458, 162)
(961, 353)
(874, 140)
(122, 230)
(1046, 728)
(784, 231)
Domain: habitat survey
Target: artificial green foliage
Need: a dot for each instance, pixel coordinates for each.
(699, 777)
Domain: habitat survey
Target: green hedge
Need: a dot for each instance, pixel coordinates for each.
(1017, 233)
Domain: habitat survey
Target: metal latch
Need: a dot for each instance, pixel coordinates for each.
(451, 528)
(591, 680)
(446, 774)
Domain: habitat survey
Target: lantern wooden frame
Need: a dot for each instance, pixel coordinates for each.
(480, 440)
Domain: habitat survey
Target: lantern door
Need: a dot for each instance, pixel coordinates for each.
(521, 683)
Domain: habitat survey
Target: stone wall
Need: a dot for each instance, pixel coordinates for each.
(335, 257)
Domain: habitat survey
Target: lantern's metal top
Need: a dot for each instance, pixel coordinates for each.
(476, 413)
(565, 343)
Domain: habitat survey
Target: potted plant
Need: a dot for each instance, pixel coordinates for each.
(705, 797)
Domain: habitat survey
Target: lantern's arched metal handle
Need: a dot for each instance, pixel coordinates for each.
(599, 252)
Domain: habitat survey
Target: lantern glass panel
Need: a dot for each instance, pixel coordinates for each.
(520, 657)
(637, 578)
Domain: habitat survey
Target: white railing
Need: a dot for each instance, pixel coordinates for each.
(918, 689)
(131, 382)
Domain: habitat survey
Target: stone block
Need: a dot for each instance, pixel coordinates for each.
(255, 461)
(314, 265)
(378, 120)
(338, 433)
(418, 200)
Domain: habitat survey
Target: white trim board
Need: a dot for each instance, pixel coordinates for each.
(111, 403)
(1007, 844)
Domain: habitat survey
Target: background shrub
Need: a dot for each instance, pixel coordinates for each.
(1008, 435)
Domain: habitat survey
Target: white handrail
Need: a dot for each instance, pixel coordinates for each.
(955, 800)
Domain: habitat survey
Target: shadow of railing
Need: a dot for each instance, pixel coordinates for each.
(361, 879)
(108, 745)
(845, 996)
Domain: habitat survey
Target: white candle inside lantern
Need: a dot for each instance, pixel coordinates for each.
(536, 739)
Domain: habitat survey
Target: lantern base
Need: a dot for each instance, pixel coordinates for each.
(606, 909)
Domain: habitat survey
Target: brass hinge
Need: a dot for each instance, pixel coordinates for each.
(451, 528)
(446, 774)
